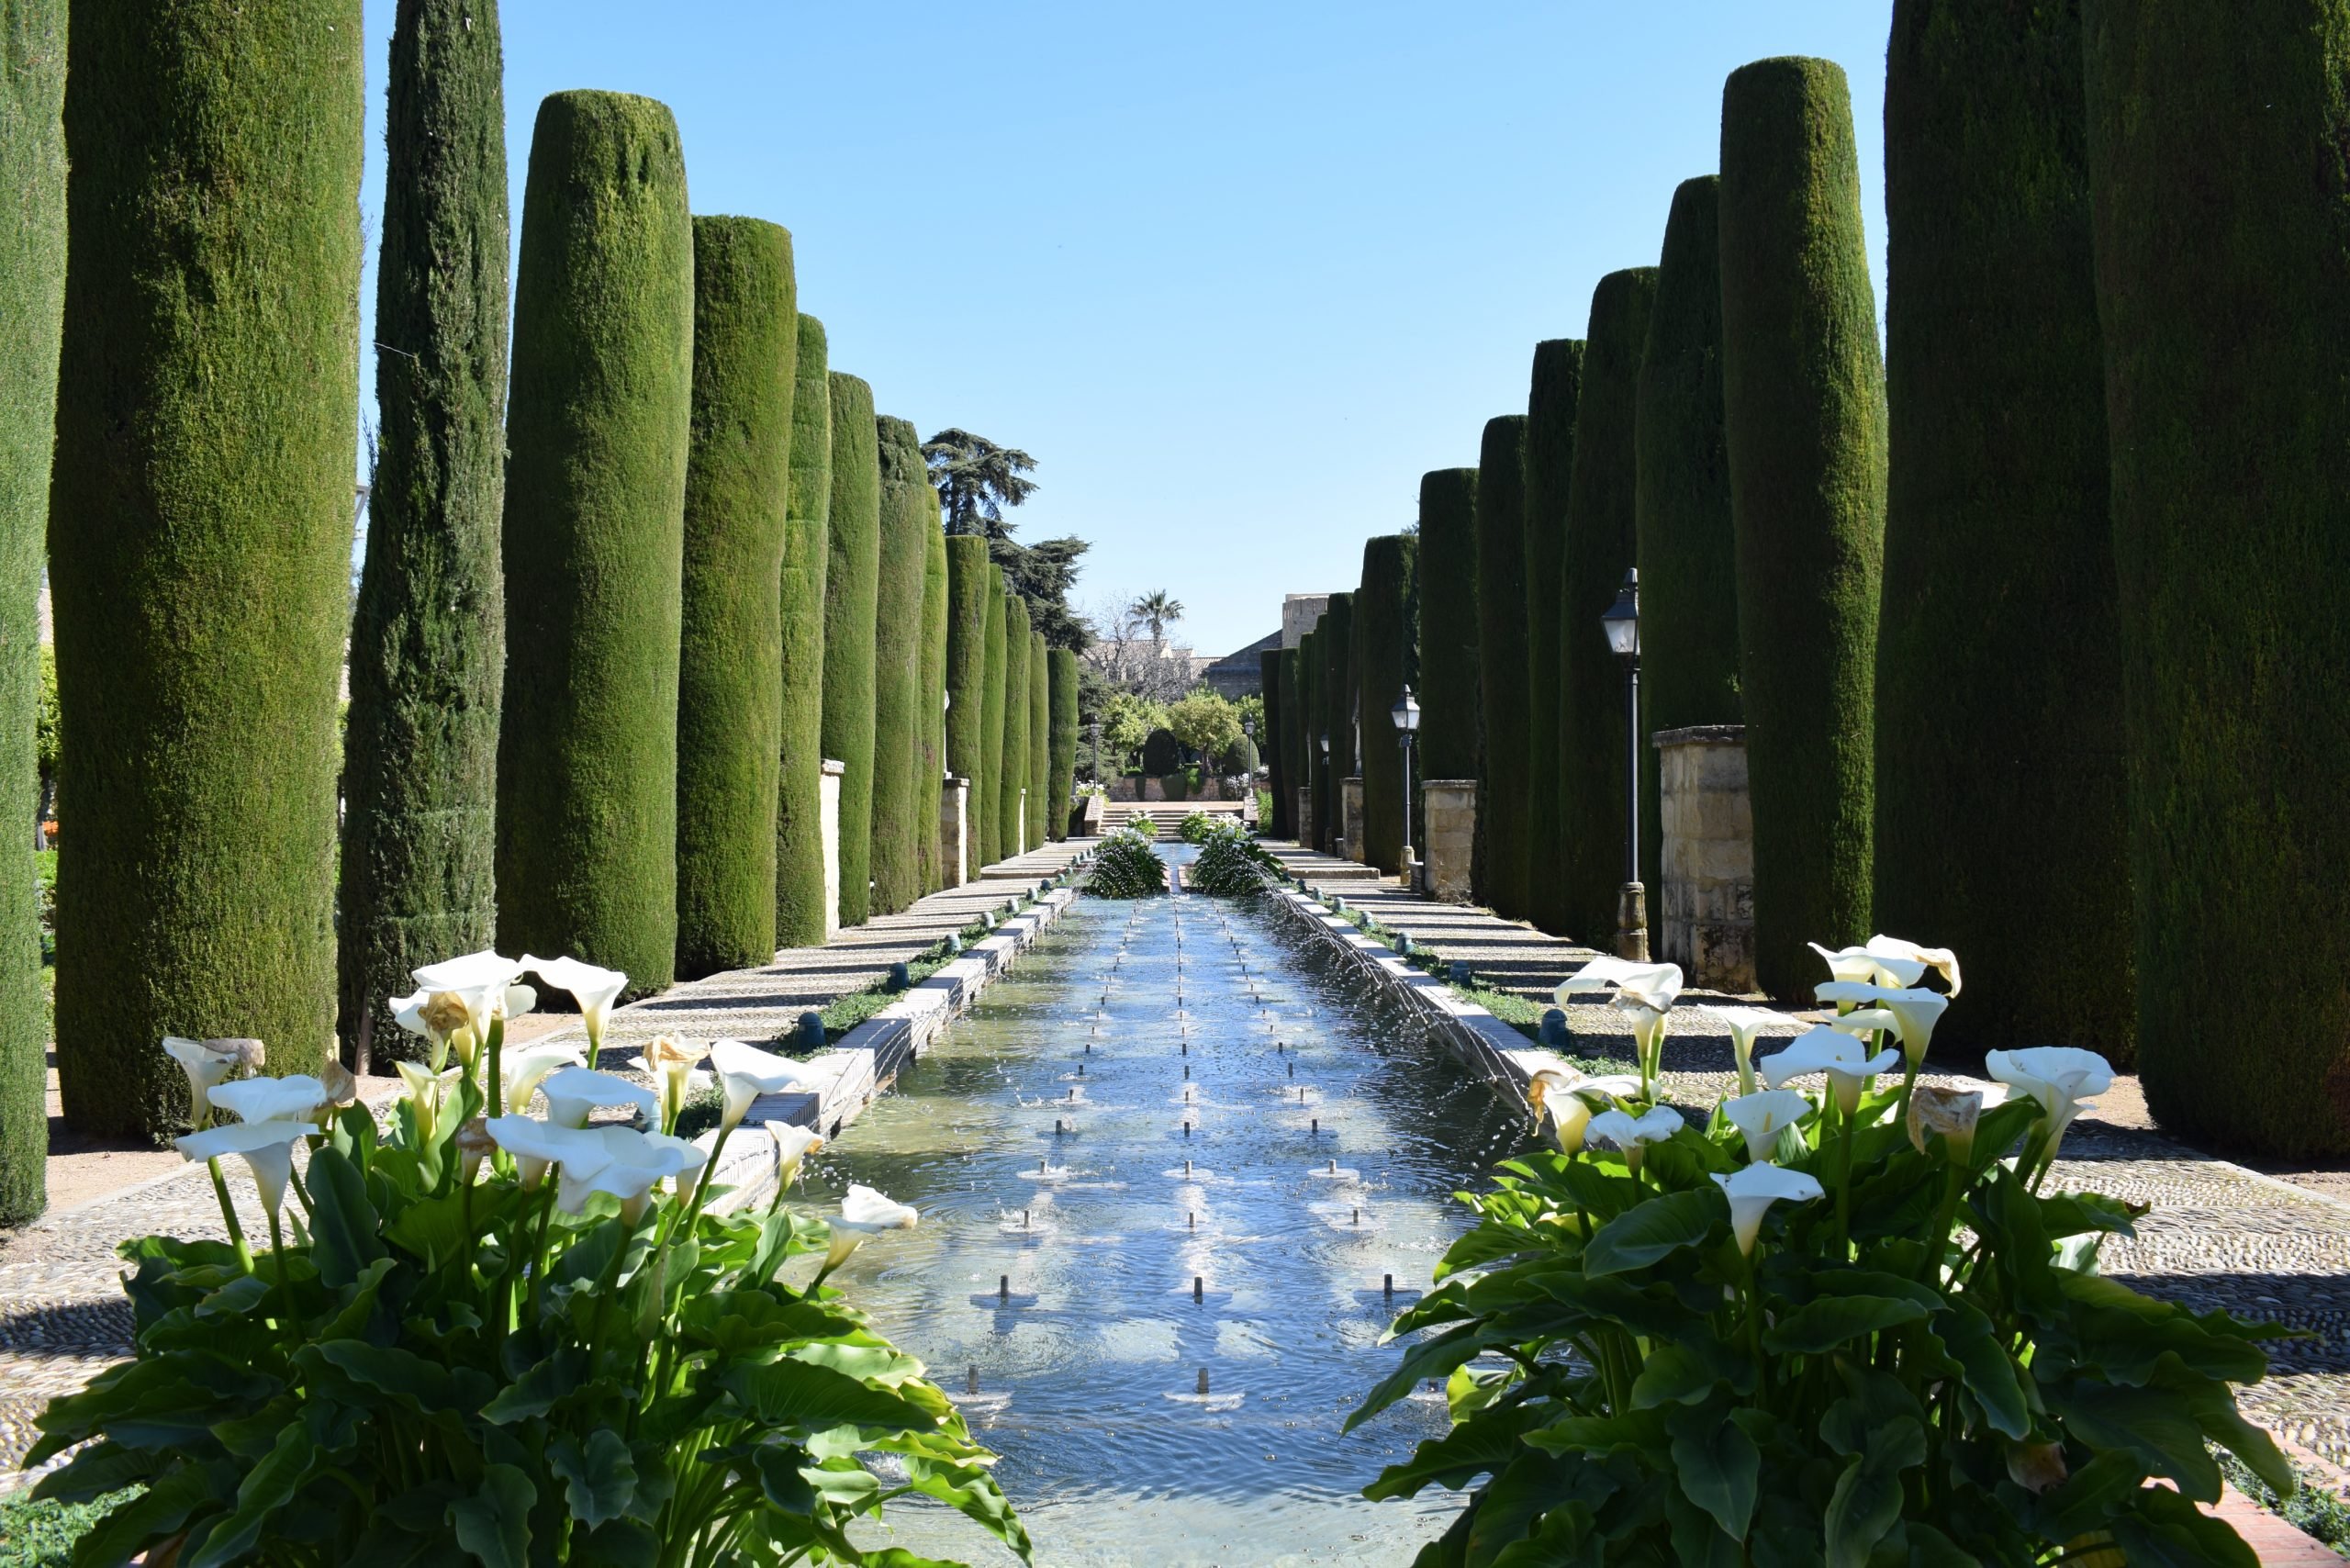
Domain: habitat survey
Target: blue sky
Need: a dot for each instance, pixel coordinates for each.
(1235, 273)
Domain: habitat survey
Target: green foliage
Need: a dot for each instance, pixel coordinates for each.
(419, 778)
(1040, 741)
(200, 531)
(1017, 646)
(1206, 723)
(987, 792)
(37, 1532)
(730, 668)
(1128, 719)
(1125, 866)
(451, 1367)
(1804, 396)
(968, 574)
(1555, 392)
(1310, 719)
(1273, 671)
(1504, 812)
(2218, 190)
(1600, 519)
(1451, 715)
(45, 722)
(799, 820)
(898, 722)
(1918, 1363)
(851, 597)
(1336, 689)
(1063, 672)
(2000, 780)
(931, 783)
(1196, 827)
(1231, 863)
(1162, 753)
(1387, 614)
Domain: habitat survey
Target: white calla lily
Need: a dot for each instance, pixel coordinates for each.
(1657, 985)
(535, 1145)
(1844, 1059)
(1743, 1033)
(478, 980)
(2062, 1078)
(1852, 964)
(865, 1212)
(1760, 1117)
(1863, 1022)
(207, 1064)
(1754, 1189)
(515, 1001)
(426, 1089)
(521, 1072)
(1631, 1133)
(573, 1092)
(745, 1072)
(621, 1161)
(1564, 1098)
(672, 1064)
(594, 989)
(793, 1143)
(267, 1147)
(1915, 1010)
(1896, 957)
(297, 1098)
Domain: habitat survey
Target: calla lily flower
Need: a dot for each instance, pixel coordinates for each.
(522, 1071)
(573, 1091)
(1844, 1059)
(1760, 1117)
(207, 1064)
(478, 980)
(515, 1000)
(535, 1145)
(1630, 1133)
(1657, 985)
(1863, 1022)
(1915, 1010)
(793, 1143)
(1743, 1033)
(426, 1090)
(671, 1062)
(2062, 1078)
(1953, 1113)
(1754, 1189)
(865, 1212)
(1889, 961)
(621, 1161)
(1564, 1097)
(295, 1099)
(745, 1072)
(266, 1146)
(594, 989)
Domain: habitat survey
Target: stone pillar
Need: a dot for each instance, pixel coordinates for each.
(955, 830)
(1351, 820)
(1304, 817)
(1089, 817)
(1022, 847)
(1450, 806)
(1704, 919)
(829, 814)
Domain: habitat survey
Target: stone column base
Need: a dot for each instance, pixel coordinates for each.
(1350, 818)
(1305, 816)
(829, 815)
(1705, 912)
(955, 830)
(1450, 807)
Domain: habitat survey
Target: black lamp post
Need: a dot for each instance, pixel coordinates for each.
(1248, 728)
(1321, 828)
(1622, 625)
(1406, 714)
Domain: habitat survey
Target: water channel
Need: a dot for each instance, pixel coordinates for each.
(1168, 1169)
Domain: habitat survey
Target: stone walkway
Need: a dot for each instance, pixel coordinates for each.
(62, 1316)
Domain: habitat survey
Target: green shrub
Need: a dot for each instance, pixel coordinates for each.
(1550, 402)
(1451, 718)
(1040, 741)
(1336, 691)
(1162, 753)
(200, 533)
(986, 796)
(968, 572)
(930, 788)
(1504, 789)
(420, 777)
(898, 720)
(1387, 614)
(1125, 866)
(1196, 827)
(1017, 645)
(1316, 774)
(1063, 672)
(1804, 396)
(1231, 863)
(851, 597)
(798, 820)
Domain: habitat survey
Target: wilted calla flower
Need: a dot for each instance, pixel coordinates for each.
(293, 1099)
(745, 1072)
(1630, 1133)
(2036, 1467)
(341, 1086)
(1953, 1113)
(672, 1063)
(474, 1144)
(266, 1146)
(205, 1065)
(1751, 1191)
(865, 1212)
(792, 1144)
(1759, 1116)
(573, 1091)
(1564, 1097)
(522, 1071)
(1844, 1059)
(1915, 1010)
(2062, 1078)
(594, 989)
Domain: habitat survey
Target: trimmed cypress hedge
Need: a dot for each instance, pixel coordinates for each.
(32, 306)
(1451, 711)
(1688, 554)
(987, 792)
(1310, 720)
(1009, 837)
(1387, 616)
(1551, 404)
(930, 788)
(1061, 790)
(200, 540)
(806, 547)
(1505, 789)
(2001, 788)
(1040, 740)
(1803, 394)
(1337, 648)
(1291, 737)
(897, 719)
(852, 586)
(427, 644)
(968, 572)
(2218, 190)
(730, 664)
(1591, 692)
(1269, 684)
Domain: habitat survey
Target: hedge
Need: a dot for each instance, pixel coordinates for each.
(898, 722)
(1451, 716)
(807, 547)
(987, 793)
(2218, 190)
(968, 572)
(1016, 709)
(1387, 617)
(1506, 788)
(730, 665)
(32, 305)
(1550, 402)
(1290, 737)
(1600, 521)
(1337, 645)
(1316, 773)
(200, 540)
(931, 787)
(852, 586)
(2001, 819)
(1040, 740)
(1804, 400)
(1269, 684)
(1062, 787)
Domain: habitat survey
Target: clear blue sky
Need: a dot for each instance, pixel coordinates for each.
(1235, 273)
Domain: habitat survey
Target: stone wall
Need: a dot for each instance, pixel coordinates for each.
(1704, 915)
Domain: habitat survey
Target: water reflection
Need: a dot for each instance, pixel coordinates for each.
(1158, 1297)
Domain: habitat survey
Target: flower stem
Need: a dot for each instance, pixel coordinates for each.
(494, 1084)
(229, 1213)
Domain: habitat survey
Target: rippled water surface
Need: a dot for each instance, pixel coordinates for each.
(1054, 1271)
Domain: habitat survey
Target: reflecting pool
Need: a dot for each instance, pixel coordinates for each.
(1167, 1169)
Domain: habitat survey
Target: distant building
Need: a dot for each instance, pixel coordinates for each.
(1239, 674)
(1299, 613)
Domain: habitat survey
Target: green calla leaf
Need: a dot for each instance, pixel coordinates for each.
(1988, 1371)
(812, 1398)
(2165, 1531)
(1824, 1324)
(598, 1475)
(1485, 1443)
(1868, 1499)
(344, 1240)
(144, 1520)
(1716, 1465)
(1654, 1229)
(1429, 1358)
(267, 1488)
(494, 1524)
(2153, 1426)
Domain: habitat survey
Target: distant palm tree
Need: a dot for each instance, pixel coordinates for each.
(1157, 611)
(975, 479)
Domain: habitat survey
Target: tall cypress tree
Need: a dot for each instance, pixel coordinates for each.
(1316, 774)
(930, 789)
(1451, 714)
(987, 790)
(199, 538)
(1062, 671)
(967, 574)
(2218, 191)
(1269, 684)
(898, 720)
(1804, 398)
(1040, 740)
(428, 647)
(1291, 737)
(1387, 612)
(1591, 691)
(807, 547)
(1504, 792)
(32, 304)
(730, 664)
(1551, 404)
(1009, 838)
(1337, 643)
(2002, 795)
(852, 586)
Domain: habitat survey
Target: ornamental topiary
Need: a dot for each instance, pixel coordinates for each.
(2001, 793)
(1504, 789)
(798, 822)
(1804, 398)
(200, 535)
(898, 718)
(1550, 403)
(1162, 754)
(931, 787)
(1061, 788)
(1451, 709)
(1387, 614)
(1040, 741)
(1016, 709)
(1337, 646)
(1269, 687)
(968, 572)
(1309, 722)
(986, 795)
(852, 589)
(1286, 718)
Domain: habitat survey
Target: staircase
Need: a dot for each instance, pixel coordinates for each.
(1167, 816)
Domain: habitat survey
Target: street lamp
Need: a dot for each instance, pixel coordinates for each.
(1248, 728)
(1097, 751)
(1622, 625)
(1406, 714)
(1321, 801)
